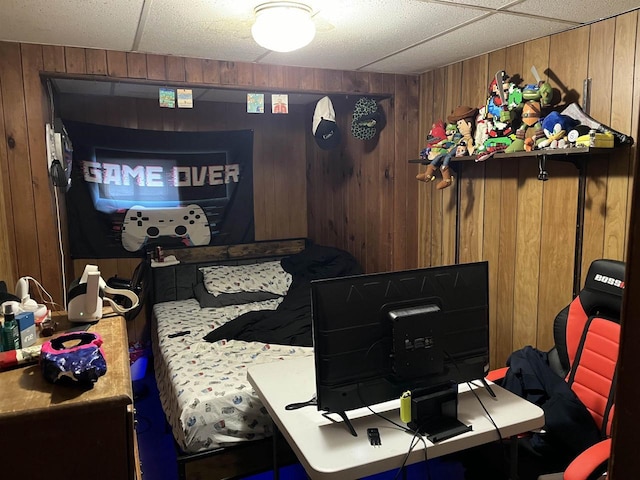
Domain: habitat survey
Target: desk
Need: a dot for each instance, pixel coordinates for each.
(62, 432)
(327, 450)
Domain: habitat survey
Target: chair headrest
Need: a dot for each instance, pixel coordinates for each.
(603, 287)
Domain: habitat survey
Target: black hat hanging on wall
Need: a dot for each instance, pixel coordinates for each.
(324, 127)
(366, 119)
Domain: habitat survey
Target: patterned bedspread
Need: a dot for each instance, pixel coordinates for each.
(203, 386)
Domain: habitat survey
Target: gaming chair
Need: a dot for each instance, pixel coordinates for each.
(585, 354)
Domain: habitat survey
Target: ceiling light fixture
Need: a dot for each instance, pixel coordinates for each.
(283, 26)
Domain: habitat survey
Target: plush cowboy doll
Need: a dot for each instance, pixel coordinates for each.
(464, 118)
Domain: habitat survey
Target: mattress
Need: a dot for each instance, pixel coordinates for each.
(203, 386)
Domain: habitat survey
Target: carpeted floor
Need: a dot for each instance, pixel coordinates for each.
(158, 456)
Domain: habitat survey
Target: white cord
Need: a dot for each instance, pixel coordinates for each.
(60, 245)
(43, 293)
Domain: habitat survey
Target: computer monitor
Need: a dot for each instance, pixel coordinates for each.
(378, 335)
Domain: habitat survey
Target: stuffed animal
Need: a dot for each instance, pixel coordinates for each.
(556, 126)
(441, 145)
(464, 117)
(483, 125)
(530, 131)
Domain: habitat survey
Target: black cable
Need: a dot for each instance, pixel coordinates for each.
(414, 442)
(500, 439)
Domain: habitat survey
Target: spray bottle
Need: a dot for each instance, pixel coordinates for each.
(10, 330)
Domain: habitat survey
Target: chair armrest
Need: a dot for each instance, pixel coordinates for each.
(588, 461)
(497, 374)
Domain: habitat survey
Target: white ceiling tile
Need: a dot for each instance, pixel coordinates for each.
(86, 23)
(455, 46)
(582, 11)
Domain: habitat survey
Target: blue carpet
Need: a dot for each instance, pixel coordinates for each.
(158, 456)
(155, 441)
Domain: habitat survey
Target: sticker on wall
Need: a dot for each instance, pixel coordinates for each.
(255, 102)
(279, 103)
(167, 97)
(185, 98)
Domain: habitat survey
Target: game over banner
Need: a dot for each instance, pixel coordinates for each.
(132, 190)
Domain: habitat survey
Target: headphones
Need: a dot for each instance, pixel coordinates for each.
(87, 296)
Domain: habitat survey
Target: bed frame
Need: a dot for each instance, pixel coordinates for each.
(176, 282)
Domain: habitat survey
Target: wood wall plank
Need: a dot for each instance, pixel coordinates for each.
(436, 199)
(96, 61)
(424, 207)
(228, 73)
(75, 60)
(53, 57)
(620, 166)
(601, 44)
(400, 174)
(136, 65)
(211, 72)
(193, 70)
(20, 194)
(175, 68)
(450, 236)
(244, 74)
(156, 67)
(413, 147)
(8, 258)
(558, 224)
(37, 114)
(116, 64)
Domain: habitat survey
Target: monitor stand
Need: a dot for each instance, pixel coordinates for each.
(345, 420)
(487, 387)
(434, 411)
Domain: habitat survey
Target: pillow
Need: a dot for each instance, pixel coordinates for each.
(226, 299)
(255, 277)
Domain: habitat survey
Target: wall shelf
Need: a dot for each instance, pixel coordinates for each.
(549, 152)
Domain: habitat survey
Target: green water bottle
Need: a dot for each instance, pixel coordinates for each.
(10, 330)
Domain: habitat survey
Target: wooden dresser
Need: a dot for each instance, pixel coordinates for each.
(59, 432)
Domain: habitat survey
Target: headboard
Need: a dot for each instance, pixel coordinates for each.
(176, 282)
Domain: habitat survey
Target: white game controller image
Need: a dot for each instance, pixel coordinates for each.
(143, 224)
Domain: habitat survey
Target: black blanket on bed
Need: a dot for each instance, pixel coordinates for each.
(290, 323)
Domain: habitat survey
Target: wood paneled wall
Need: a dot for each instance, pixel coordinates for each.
(363, 197)
(300, 190)
(524, 227)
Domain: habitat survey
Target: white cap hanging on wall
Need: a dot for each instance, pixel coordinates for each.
(283, 26)
(324, 126)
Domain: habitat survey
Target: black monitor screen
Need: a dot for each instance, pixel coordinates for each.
(377, 335)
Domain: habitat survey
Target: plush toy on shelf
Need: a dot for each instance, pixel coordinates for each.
(500, 115)
(530, 131)
(464, 117)
(441, 146)
(556, 126)
(540, 91)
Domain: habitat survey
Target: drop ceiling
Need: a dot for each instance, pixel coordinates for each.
(391, 36)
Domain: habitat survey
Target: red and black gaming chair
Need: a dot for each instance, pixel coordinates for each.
(586, 336)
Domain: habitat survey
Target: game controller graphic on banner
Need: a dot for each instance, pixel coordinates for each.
(141, 225)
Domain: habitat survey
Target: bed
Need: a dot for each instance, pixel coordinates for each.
(218, 311)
